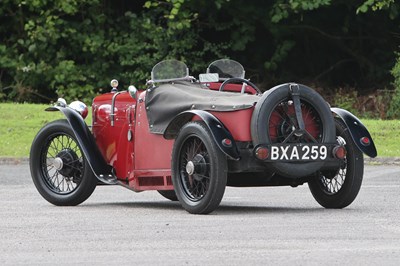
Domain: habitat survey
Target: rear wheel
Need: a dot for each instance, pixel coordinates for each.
(338, 189)
(58, 166)
(199, 169)
(168, 194)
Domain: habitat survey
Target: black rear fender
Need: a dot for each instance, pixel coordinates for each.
(217, 129)
(86, 141)
(357, 131)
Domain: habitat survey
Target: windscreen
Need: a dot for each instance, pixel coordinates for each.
(169, 70)
(226, 68)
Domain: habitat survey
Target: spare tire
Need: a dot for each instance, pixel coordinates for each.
(274, 118)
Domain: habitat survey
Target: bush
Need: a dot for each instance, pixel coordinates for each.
(393, 111)
(346, 99)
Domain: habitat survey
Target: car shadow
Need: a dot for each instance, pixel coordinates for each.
(223, 209)
(249, 210)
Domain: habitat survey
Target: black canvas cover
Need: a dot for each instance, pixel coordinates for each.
(166, 101)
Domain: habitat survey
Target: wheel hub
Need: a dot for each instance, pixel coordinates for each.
(66, 162)
(298, 133)
(190, 168)
(197, 167)
(58, 163)
(284, 123)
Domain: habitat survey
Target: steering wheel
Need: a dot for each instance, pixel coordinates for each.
(238, 80)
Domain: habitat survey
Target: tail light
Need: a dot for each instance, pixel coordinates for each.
(365, 141)
(261, 153)
(227, 142)
(339, 152)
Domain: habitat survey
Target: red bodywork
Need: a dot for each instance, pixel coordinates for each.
(140, 158)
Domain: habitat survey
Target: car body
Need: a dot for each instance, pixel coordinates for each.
(189, 139)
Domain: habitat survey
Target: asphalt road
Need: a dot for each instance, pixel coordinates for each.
(253, 226)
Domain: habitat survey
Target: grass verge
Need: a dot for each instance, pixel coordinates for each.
(19, 124)
(385, 134)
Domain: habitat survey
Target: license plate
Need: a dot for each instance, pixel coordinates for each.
(298, 152)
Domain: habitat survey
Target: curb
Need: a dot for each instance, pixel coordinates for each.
(382, 161)
(5, 160)
(367, 160)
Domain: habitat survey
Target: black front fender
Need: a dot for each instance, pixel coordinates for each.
(217, 129)
(357, 131)
(87, 143)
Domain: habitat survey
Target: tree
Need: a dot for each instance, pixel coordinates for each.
(74, 48)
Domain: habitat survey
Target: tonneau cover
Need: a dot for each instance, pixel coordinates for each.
(165, 101)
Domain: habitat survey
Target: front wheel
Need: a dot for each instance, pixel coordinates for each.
(58, 166)
(338, 189)
(199, 169)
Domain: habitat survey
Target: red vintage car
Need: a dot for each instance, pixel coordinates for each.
(189, 139)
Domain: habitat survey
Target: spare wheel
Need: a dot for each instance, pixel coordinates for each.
(274, 118)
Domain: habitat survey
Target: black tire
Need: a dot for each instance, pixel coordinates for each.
(199, 169)
(339, 189)
(58, 166)
(168, 194)
(272, 103)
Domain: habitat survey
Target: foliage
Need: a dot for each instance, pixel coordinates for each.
(282, 8)
(393, 111)
(74, 48)
(393, 7)
(375, 5)
(346, 100)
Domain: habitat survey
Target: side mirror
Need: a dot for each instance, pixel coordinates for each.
(132, 91)
(209, 77)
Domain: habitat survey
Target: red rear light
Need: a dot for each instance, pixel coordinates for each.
(227, 142)
(339, 152)
(262, 153)
(365, 141)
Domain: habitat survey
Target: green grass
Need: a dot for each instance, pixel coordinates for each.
(386, 135)
(19, 124)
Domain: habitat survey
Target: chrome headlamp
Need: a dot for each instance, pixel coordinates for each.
(80, 107)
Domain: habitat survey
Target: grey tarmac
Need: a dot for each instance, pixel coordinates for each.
(253, 226)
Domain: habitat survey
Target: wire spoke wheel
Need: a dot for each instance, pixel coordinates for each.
(195, 168)
(199, 169)
(287, 116)
(62, 162)
(58, 166)
(333, 185)
(283, 126)
(338, 189)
